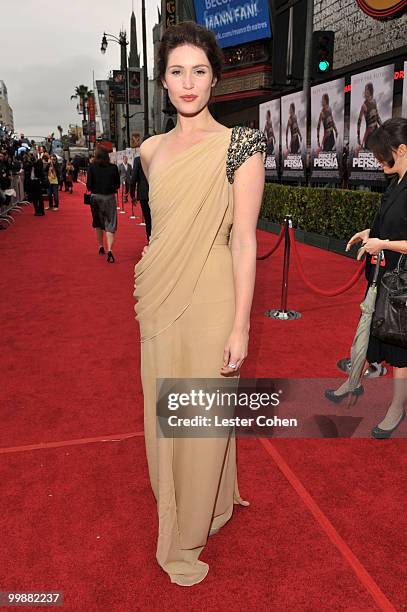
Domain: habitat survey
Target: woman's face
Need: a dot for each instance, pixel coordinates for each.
(188, 73)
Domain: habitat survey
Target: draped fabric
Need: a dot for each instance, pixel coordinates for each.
(185, 224)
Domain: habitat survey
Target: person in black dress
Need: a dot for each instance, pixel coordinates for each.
(388, 234)
(103, 181)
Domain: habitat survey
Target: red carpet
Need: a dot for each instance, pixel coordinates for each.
(325, 529)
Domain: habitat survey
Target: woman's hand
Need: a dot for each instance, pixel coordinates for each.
(144, 251)
(373, 246)
(359, 237)
(235, 351)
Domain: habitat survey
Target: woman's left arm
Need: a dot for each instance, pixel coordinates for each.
(248, 190)
(375, 245)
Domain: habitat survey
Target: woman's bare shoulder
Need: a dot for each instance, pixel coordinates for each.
(148, 147)
(147, 150)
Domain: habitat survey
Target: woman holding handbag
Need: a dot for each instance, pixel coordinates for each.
(103, 181)
(388, 234)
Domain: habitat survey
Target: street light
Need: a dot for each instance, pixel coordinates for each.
(122, 41)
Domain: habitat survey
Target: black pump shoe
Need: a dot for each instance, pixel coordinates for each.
(384, 434)
(336, 399)
(101, 250)
(110, 258)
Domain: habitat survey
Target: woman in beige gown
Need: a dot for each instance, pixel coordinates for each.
(194, 300)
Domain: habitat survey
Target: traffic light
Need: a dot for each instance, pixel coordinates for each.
(322, 53)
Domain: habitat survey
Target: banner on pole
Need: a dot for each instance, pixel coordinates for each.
(92, 117)
(118, 82)
(112, 114)
(134, 86)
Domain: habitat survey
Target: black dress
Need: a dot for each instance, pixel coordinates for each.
(390, 223)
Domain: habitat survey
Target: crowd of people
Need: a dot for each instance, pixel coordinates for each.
(44, 175)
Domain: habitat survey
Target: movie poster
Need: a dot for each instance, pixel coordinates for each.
(294, 136)
(269, 124)
(327, 123)
(371, 103)
(404, 104)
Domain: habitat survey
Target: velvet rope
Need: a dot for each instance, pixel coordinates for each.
(275, 247)
(352, 281)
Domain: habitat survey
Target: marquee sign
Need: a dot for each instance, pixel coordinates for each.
(382, 9)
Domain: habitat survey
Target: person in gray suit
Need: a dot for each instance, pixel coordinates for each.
(125, 171)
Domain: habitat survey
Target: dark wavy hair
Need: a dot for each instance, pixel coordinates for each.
(191, 33)
(387, 139)
(101, 156)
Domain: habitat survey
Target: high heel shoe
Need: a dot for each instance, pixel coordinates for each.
(336, 399)
(101, 250)
(110, 258)
(384, 434)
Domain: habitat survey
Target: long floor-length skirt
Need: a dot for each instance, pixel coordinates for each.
(193, 479)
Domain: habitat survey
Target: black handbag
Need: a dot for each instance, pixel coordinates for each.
(87, 198)
(389, 322)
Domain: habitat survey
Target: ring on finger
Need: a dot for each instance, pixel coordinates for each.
(232, 365)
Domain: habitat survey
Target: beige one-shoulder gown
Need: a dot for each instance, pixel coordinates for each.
(186, 301)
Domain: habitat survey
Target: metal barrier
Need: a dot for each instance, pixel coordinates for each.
(17, 200)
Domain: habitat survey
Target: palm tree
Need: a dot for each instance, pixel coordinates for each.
(81, 92)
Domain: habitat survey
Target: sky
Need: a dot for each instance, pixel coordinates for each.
(48, 47)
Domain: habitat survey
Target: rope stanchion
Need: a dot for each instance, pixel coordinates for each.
(352, 281)
(282, 314)
(275, 247)
(123, 198)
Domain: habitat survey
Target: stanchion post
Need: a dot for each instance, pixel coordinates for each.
(286, 265)
(282, 314)
(122, 211)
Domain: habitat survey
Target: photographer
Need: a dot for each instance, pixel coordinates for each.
(53, 174)
(36, 183)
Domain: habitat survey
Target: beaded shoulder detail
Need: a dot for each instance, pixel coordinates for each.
(244, 142)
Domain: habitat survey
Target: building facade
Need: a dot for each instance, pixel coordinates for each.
(252, 73)
(6, 112)
(359, 38)
(246, 79)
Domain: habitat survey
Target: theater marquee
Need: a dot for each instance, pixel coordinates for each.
(383, 9)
